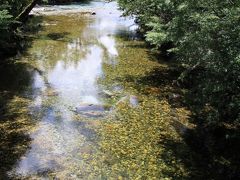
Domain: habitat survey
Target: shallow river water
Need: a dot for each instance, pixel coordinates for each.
(83, 101)
(68, 56)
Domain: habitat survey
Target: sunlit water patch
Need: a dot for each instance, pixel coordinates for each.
(77, 82)
(110, 45)
(68, 60)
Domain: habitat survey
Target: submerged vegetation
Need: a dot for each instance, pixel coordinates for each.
(136, 141)
(15, 119)
(203, 37)
(168, 113)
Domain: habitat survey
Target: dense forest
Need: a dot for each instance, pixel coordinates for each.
(202, 39)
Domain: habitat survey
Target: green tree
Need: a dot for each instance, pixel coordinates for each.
(12, 14)
(205, 38)
(205, 34)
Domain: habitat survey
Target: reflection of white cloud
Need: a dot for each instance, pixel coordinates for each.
(107, 25)
(38, 82)
(52, 143)
(78, 82)
(38, 101)
(110, 44)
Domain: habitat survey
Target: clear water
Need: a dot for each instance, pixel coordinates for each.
(68, 55)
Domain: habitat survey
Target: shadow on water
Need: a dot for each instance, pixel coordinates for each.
(13, 44)
(129, 35)
(14, 80)
(57, 36)
(206, 153)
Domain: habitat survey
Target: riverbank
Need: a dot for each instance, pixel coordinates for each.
(60, 10)
(81, 8)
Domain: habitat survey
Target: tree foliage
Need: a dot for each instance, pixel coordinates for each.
(204, 33)
(206, 39)
(9, 10)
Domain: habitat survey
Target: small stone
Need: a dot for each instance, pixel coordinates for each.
(133, 101)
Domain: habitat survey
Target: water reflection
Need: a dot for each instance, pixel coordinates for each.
(78, 82)
(70, 66)
(52, 146)
(15, 79)
(110, 45)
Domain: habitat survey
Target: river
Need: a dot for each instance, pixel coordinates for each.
(72, 85)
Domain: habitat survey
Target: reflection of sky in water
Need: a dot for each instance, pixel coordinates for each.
(53, 144)
(78, 82)
(72, 75)
(110, 44)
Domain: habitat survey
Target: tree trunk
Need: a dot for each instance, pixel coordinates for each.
(22, 17)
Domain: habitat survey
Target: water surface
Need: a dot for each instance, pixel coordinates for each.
(67, 56)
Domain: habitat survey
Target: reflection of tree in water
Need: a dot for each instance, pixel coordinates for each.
(57, 36)
(67, 40)
(14, 118)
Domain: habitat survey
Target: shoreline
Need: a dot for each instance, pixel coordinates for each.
(51, 10)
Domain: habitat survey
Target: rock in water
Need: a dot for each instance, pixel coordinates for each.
(133, 100)
(91, 110)
(89, 107)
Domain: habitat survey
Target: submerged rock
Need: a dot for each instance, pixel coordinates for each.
(90, 107)
(94, 114)
(133, 100)
(92, 110)
(118, 89)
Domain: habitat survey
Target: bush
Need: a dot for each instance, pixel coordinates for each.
(9, 10)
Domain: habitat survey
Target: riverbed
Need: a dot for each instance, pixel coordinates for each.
(84, 100)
